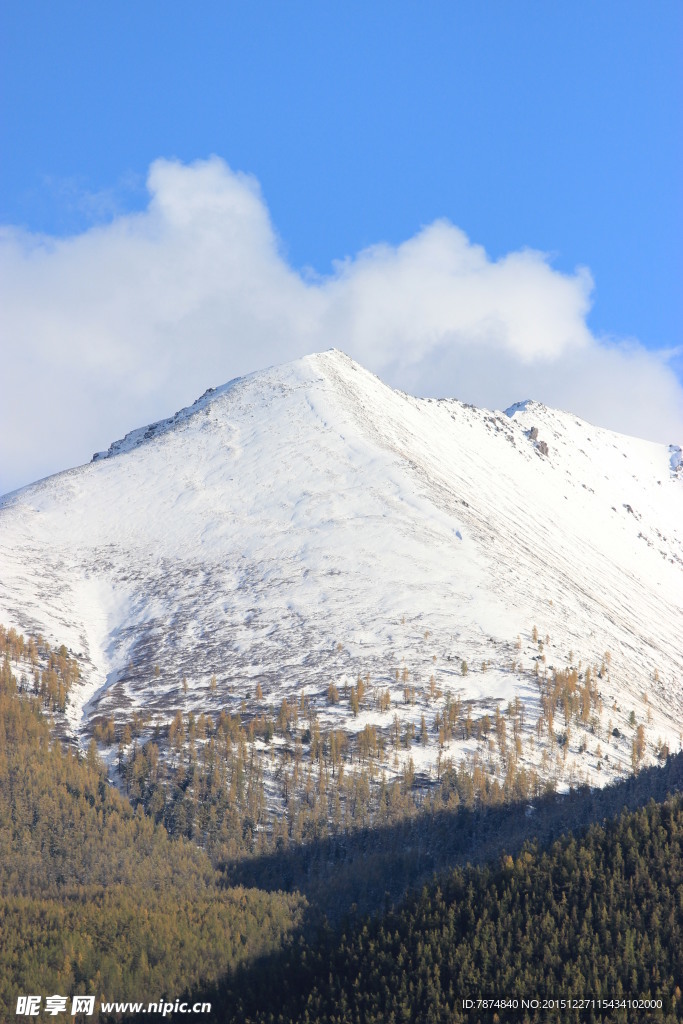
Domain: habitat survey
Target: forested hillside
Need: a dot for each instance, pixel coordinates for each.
(590, 920)
(96, 898)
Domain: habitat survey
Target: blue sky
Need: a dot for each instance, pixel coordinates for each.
(555, 128)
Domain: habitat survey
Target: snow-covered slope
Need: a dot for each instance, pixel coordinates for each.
(307, 523)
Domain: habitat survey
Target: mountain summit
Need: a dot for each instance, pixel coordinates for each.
(306, 524)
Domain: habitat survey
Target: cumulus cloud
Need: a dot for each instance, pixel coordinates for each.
(128, 321)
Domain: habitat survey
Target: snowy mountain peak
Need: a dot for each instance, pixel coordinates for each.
(307, 369)
(307, 523)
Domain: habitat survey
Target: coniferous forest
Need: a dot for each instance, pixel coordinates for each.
(97, 898)
(595, 919)
(580, 901)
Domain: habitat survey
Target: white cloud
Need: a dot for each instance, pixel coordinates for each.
(126, 322)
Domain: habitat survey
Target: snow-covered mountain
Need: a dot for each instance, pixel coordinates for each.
(307, 524)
